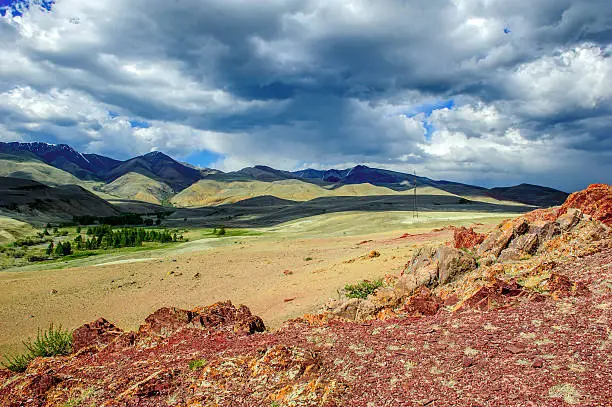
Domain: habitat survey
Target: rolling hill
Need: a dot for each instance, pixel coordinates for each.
(28, 200)
(139, 187)
(28, 166)
(158, 179)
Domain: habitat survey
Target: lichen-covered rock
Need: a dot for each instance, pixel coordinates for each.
(98, 333)
(495, 242)
(569, 219)
(466, 238)
(595, 200)
(219, 316)
(432, 266)
(510, 254)
(527, 243)
(423, 302)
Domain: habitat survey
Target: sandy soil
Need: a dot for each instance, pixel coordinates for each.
(250, 272)
(245, 270)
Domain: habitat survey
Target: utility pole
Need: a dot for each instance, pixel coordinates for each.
(415, 212)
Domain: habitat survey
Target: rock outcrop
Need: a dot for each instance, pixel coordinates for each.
(466, 238)
(595, 201)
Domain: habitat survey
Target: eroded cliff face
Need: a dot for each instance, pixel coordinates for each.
(521, 316)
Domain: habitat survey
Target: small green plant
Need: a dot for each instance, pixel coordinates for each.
(307, 258)
(362, 289)
(52, 342)
(197, 364)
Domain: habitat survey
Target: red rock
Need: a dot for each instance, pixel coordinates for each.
(287, 272)
(373, 254)
(467, 362)
(514, 349)
(423, 302)
(219, 316)
(451, 300)
(98, 333)
(595, 201)
(464, 238)
(537, 364)
(289, 299)
(495, 295)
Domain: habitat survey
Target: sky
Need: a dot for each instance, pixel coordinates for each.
(488, 92)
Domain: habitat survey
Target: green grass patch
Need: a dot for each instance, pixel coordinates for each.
(52, 342)
(197, 364)
(362, 289)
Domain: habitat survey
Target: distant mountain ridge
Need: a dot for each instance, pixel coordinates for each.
(163, 176)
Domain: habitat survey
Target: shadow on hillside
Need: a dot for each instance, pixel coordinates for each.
(269, 211)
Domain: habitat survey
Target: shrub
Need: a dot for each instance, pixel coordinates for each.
(52, 342)
(362, 289)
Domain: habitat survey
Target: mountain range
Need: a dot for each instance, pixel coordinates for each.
(158, 178)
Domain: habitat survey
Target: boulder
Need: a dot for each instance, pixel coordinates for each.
(219, 316)
(569, 219)
(495, 242)
(423, 302)
(464, 238)
(510, 254)
(452, 262)
(346, 309)
(98, 333)
(527, 243)
(432, 266)
(595, 201)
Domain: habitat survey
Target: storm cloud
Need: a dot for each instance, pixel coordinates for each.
(485, 91)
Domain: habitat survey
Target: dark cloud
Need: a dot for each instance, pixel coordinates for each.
(322, 83)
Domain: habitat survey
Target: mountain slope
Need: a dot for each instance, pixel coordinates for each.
(530, 194)
(160, 167)
(29, 200)
(61, 156)
(28, 166)
(210, 192)
(139, 187)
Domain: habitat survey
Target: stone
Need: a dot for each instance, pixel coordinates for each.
(423, 302)
(495, 242)
(510, 254)
(569, 219)
(466, 238)
(452, 262)
(373, 254)
(219, 316)
(537, 364)
(347, 309)
(432, 266)
(98, 333)
(366, 310)
(467, 362)
(527, 243)
(595, 200)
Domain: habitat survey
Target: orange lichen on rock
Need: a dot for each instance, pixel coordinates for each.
(595, 201)
(466, 238)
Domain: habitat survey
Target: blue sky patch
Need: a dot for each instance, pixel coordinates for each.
(17, 7)
(427, 109)
(203, 158)
(139, 124)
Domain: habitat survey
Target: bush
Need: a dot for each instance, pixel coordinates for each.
(362, 289)
(52, 342)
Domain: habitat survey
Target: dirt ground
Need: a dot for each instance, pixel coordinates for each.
(273, 275)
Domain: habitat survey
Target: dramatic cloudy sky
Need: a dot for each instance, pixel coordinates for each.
(493, 92)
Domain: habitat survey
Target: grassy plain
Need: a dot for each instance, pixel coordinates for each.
(280, 272)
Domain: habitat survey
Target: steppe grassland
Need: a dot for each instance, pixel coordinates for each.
(322, 253)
